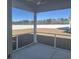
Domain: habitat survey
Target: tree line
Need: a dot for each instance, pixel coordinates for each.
(40, 22)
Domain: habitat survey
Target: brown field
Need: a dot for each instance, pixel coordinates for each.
(41, 30)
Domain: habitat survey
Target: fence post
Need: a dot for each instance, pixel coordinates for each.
(55, 41)
(16, 42)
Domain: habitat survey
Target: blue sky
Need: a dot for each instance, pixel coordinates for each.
(18, 14)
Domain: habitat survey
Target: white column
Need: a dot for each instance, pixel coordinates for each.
(35, 27)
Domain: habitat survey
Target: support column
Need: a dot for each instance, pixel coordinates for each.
(9, 29)
(35, 27)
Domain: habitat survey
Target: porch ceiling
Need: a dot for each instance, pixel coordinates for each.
(41, 5)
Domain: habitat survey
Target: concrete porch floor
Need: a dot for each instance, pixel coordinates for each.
(41, 51)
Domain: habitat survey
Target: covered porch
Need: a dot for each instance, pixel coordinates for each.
(37, 50)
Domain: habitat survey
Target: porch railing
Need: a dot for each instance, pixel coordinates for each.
(55, 40)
